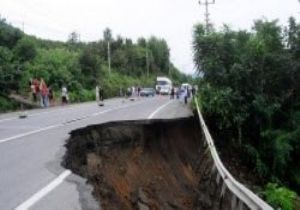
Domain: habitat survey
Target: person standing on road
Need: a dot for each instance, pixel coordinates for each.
(33, 91)
(132, 91)
(51, 96)
(188, 92)
(172, 93)
(36, 90)
(97, 94)
(64, 95)
(101, 94)
(138, 91)
(128, 92)
(178, 90)
(44, 93)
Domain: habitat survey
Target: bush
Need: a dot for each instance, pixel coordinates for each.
(280, 197)
(82, 95)
(6, 104)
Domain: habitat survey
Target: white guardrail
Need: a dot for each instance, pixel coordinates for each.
(240, 192)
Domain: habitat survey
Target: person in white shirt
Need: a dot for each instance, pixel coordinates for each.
(64, 95)
(97, 94)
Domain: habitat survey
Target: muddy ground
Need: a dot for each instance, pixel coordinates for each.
(156, 164)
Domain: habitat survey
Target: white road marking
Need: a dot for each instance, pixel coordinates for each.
(64, 123)
(29, 133)
(67, 108)
(44, 191)
(102, 112)
(158, 109)
(42, 112)
(121, 107)
(8, 119)
(57, 181)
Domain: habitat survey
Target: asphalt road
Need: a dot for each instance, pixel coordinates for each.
(31, 150)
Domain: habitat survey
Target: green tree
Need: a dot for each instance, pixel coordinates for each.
(160, 53)
(249, 93)
(73, 37)
(9, 36)
(90, 65)
(25, 50)
(6, 69)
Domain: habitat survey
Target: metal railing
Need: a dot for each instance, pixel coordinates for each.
(242, 195)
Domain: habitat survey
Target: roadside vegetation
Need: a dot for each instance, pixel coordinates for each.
(249, 94)
(80, 65)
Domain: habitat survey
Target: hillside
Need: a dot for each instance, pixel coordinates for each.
(79, 65)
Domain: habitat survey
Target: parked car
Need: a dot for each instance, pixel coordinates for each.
(147, 92)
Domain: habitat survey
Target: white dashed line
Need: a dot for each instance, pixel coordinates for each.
(158, 109)
(29, 133)
(8, 119)
(64, 123)
(54, 109)
(47, 189)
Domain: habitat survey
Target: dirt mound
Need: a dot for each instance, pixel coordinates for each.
(141, 164)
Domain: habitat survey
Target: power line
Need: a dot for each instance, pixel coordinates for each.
(207, 20)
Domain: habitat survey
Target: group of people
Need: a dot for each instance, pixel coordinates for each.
(182, 93)
(41, 92)
(133, 91)
(44, 95)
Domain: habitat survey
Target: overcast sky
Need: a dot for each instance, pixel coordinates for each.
(172, 20)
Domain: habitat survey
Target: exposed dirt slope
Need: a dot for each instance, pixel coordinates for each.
(139, 165)
(152, 164)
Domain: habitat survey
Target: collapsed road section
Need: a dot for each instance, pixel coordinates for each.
(146, 164)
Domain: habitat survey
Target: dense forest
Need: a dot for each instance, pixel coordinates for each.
(250, 98)
(79, 65)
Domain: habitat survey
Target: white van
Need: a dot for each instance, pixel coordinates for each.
(163, 85)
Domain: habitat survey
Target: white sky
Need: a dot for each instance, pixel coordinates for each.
(172, 20)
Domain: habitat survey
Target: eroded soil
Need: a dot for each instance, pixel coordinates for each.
(139, 164)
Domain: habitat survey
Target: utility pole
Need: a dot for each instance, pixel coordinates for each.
(207, 21)
(108, 56)
(147, 60)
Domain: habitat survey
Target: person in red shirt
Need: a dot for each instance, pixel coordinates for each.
(44, 93)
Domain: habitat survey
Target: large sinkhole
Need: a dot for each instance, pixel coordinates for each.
(145, 164)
